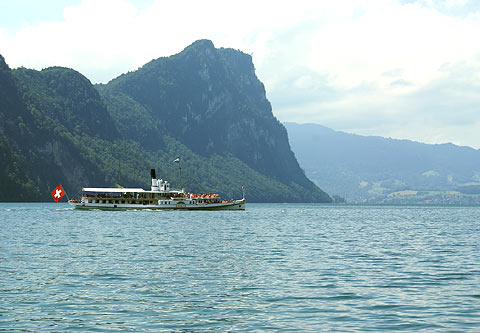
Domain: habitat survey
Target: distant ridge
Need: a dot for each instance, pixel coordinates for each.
(372, 168)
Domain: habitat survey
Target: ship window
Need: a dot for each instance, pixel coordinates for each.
(123, 201)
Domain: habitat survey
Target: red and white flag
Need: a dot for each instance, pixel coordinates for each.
(58, 193)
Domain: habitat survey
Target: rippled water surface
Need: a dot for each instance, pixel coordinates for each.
(271, 267)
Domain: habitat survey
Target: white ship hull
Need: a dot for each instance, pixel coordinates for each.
(180, 205)
(160, 197)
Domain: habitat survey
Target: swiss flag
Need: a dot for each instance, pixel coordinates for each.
(57, 193)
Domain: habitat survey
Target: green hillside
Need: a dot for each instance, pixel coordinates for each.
(56, 127)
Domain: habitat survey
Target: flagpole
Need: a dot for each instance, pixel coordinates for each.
(177, 160)
(180, 174)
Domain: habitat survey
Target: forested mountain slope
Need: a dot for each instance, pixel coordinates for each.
(204, 105)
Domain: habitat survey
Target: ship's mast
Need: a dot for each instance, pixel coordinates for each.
(177, 160)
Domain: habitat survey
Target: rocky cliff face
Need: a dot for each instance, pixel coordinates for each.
(211, 100)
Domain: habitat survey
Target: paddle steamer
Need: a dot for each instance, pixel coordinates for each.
(159, 197)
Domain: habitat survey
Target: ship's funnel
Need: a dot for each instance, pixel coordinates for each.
(153, 174)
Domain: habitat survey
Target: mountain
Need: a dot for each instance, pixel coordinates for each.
(371, 168)
(211, 101)
(43, 116)
(204, 105)
(14, 120)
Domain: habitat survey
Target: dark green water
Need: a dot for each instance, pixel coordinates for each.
(272, 267)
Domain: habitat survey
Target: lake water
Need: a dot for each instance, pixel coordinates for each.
(272, 267)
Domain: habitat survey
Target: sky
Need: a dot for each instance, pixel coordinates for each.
(406, 69)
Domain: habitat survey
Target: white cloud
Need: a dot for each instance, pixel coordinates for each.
(397, 68)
